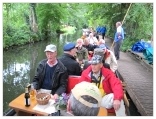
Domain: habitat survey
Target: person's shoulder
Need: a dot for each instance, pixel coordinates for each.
(84, 48)
(60, 63)
(106, 71)
(74, 63)
(43, 61)
(87, 69)
(110, 51)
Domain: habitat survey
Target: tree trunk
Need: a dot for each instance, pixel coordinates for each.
(33, 18)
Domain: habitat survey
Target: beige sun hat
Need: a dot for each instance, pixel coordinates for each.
(86, 88)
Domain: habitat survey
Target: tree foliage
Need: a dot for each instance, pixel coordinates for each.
(50, 17)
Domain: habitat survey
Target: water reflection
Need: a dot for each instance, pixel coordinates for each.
(19, 65)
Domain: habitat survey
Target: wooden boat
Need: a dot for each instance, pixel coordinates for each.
(72, 81)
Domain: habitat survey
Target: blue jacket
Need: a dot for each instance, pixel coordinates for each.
(98, 29)
(103, 30)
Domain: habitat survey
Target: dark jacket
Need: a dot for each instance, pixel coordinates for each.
(73, 67)
(90, 47)
(60, 77)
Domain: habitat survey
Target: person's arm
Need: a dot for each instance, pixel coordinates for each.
(63, 77)
(116, 86)
(85, 54)
(78, 69)
(114, 64)
(38, 76)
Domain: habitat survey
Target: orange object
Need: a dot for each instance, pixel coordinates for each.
(102, 112)
(32, 94)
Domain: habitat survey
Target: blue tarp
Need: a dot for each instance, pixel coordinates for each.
(140, 46)
(145, 48)
(148, 54)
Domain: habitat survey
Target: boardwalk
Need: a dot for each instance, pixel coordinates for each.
(139, 79)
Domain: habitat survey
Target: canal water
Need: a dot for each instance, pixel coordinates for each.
(20, 63)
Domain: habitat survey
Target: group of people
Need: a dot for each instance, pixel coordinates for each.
(98, 86)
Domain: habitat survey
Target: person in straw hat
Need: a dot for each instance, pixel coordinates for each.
(85, 100)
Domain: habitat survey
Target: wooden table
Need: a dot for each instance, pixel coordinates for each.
(19, 106)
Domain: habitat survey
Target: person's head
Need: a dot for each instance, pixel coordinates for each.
(86, 41)
(79, 42)
(118, 24)
(91, 35)
(100, 51)
(85, 100)
(51, 52)
(96, 63)
(70, 48)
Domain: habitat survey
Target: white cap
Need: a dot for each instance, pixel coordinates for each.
(51, 48)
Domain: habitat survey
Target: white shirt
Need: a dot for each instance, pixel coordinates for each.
(119, 29)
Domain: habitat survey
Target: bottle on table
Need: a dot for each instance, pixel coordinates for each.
(27, 97)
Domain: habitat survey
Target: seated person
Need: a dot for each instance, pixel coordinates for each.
(51, 74)
(85, 100)
(109, 86)
(99, 51)
(69, 60)
(89, 47)
(101, 41)
(82, 52)
(92, 40)
(108, 57)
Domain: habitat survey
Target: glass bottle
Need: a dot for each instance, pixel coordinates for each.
(28, 86)
(27, 97)
(32, 92)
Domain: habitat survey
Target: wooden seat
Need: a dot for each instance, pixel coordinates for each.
(111, 114)
(72, 81)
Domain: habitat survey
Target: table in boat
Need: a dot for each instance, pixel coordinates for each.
(18, 105)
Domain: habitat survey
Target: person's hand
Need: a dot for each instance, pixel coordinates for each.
(116, 104)
(119, 37)
(77, 59)
(55, 96)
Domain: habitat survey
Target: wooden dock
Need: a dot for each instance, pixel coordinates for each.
(138, 76)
